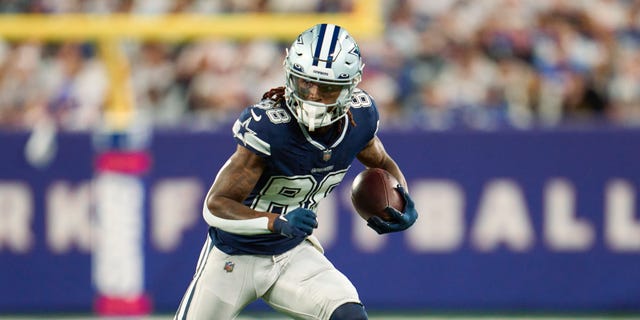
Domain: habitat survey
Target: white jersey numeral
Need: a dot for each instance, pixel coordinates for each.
(283, 194)
(278, 115)
(360, 100)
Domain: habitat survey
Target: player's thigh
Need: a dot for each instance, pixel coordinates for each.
(221, 287)
(310, 287)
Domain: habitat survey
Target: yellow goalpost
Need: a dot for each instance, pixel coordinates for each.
(364, 21)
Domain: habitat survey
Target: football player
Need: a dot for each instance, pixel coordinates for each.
(294, 147)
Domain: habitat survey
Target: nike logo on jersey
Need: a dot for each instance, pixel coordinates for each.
(255, 116)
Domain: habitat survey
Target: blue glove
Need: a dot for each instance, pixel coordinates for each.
(297, 223)
(401, 220)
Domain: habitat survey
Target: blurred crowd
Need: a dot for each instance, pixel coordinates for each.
(440, 65)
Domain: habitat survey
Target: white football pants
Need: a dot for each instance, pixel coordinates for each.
(301, 283)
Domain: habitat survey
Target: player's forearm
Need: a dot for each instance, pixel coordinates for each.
(393, 168)
(231, 209)
(232, 216)
(374, 155)
(383, 161)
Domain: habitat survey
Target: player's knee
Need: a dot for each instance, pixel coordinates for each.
(349, 311)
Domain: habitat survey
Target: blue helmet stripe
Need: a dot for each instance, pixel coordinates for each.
(316, 55)
(334, 41)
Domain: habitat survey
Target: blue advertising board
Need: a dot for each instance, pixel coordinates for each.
(509, 221)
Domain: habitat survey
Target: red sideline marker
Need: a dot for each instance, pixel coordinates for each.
(119, 306)
(129, 162)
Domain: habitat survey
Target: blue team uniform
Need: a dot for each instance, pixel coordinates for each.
(300, 170)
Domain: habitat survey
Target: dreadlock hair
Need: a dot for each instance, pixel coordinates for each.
(277, 95)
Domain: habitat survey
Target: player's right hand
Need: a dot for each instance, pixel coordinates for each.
(401, 220)
(297, 223)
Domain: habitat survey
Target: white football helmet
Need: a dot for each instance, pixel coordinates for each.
(326, 60)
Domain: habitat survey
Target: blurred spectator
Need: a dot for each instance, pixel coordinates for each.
(157, 94)
(21, 85)
(21, 6)
(260, 67)
(520, 85)
(624, 87)
(76, 86)
(65, 83)
(215, 88)
(439, 65)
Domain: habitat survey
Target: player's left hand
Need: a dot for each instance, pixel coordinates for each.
(298, 223)
(401, 220)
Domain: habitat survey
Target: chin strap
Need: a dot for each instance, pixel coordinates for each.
(311, 111)
(312, 116)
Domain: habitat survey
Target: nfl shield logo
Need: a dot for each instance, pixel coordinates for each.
(228, 266)
(326, 155)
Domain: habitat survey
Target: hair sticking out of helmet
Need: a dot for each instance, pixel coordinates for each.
(322, 67)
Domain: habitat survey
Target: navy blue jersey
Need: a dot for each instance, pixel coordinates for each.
(300, 169)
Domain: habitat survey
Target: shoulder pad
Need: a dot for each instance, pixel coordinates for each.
(258, 124)
(265, 104)
(363, 108)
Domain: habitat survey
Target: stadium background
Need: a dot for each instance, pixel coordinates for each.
(516, 123)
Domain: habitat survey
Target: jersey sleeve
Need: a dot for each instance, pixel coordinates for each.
(252, 130)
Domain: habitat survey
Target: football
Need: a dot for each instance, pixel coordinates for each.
(372, 191)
